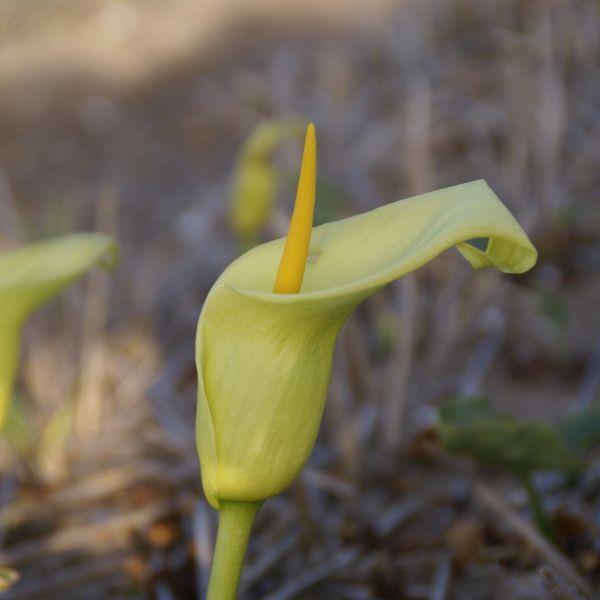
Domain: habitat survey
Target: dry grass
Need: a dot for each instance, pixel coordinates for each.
(139, 140)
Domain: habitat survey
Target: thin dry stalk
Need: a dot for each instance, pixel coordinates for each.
(399, 369)
(547, 552)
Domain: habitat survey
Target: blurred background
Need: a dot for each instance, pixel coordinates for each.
(129, 117)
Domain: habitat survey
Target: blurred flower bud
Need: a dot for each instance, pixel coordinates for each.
(256, 179)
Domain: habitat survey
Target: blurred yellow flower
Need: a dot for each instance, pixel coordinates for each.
(256, 179)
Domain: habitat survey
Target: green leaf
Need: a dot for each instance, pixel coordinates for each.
(582, 430)
(469, 426)
(465, 410)
(31, 276)
(518, 447)
(554, 306)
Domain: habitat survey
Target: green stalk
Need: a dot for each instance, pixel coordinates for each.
(537, 507)
(10, 344)
(235, 523)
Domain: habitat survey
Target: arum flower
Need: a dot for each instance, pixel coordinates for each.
(256, 179)
(267, 331)
(29, 277)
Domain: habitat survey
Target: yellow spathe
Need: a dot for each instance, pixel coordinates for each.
(264, 359)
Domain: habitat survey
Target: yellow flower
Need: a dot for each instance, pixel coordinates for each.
(29, 277)
(256, 179)
(264, 358)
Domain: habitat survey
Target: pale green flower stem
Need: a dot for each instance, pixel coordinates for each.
(537, 507)
(235, 523)
(9, 355)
